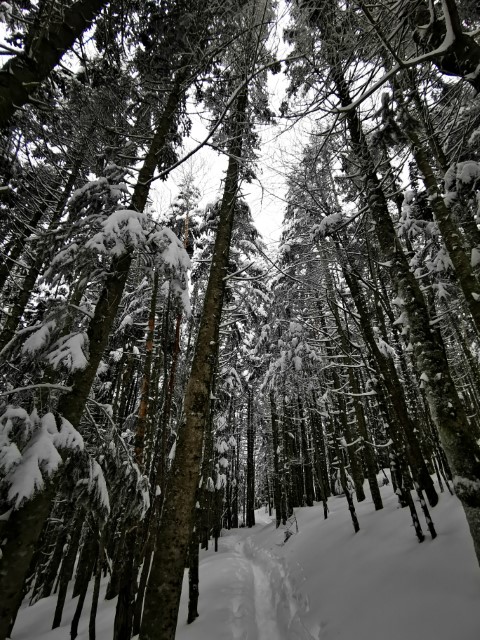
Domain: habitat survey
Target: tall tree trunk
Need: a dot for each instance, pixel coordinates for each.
(343, 477)
(447, 410)
(25, 525)
(306, 457)
(389, 378)
(163, 592)
(451, 234)
(320, 456)
(250, 511)
(277, 486)
(355, 467)
(145, 392)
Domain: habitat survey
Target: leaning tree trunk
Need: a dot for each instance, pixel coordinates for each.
(389, 379)
(446, 408)
(22, 74)
(164, 588)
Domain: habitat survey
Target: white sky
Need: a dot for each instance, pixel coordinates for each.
(265, 196)
(279, 144)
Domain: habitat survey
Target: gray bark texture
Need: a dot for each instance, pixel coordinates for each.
(164, 588)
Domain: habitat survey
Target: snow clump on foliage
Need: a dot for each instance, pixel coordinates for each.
(29, 451)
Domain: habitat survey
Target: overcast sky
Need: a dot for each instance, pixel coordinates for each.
(278, 149)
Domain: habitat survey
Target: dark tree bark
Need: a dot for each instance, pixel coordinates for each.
(250, 510)
(25, 525)
(21, 75)
(343, 478)
(145, 391)
(446, 408)
(23, 533)
(277, 484)
(66, 570)
(451, 234)
(403, 492)
(306, 458)
(96, 586)
(389, 379)
(163, 592)
(193, 591)
(321, 470)
(84, 573)
(122, 628)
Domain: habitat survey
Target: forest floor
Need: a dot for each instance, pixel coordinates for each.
(324, 583)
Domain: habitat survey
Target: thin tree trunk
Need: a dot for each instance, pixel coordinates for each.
(389, 378)
(66, 570)
(90, 555)
(250, 511)
(193, 591)
(403, 492)
(277, 486)
(344, 482)
(145, 392)
(307, 461)
(96, 586)
(142, 585)
(122, 627)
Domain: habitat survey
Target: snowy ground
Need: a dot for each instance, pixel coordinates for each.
(325, 583)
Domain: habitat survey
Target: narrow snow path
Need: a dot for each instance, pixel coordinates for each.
(249, 593)
(253, 614)
(265, 612)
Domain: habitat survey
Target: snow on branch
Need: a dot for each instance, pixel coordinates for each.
(69, 351)
(97, 485)
(122, 230)
(29, 451)
(54, 387)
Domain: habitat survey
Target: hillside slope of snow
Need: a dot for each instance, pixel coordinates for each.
(324, 583)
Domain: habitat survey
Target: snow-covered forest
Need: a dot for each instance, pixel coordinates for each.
(202, 436)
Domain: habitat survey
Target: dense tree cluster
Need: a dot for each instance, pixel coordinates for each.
(162, 375)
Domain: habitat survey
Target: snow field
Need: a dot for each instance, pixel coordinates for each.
(327, 583)
(324, 583)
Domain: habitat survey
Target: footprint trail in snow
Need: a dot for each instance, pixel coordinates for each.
(248, 594)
